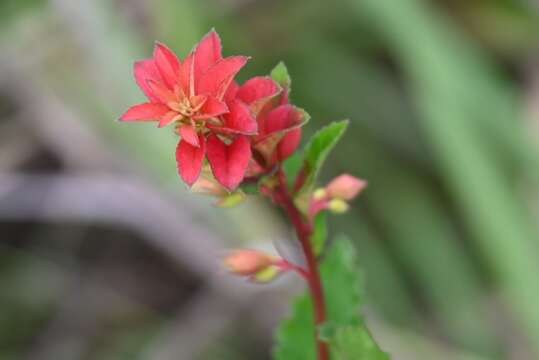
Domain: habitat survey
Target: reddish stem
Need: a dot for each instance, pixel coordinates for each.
(286, 265)
(304, 230)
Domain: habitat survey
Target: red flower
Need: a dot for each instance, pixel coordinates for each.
(279, 122)
(191, 95)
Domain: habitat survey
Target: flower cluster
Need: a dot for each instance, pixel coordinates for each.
(233, 134)
(241, 130)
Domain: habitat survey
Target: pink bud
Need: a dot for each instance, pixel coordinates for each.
(247, 262)
(345, 187)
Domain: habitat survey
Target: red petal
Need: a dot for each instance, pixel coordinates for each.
(207, 53)
(282, 118)
(167, 63)
(145, 112)
(231, 91)
(189, 134)
(169, 118)
(186, 73)
(288, 145)
(216, 80)
(211, 108)
(257, 88)
(229, 162)
(146, 70)
(189, 160)
(163, 94)
(239, 119)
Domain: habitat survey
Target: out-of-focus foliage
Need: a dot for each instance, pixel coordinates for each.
(341, 280)
(437, 92)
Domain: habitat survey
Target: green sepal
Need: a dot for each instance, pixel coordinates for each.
(266, 275)
(281, 76)
(232, 199)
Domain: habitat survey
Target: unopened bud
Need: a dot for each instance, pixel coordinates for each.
(345, 187)
(338, 206)
(247, 262)
(320, 194)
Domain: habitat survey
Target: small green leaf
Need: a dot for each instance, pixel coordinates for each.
(231, 200)
(295, 337)
(327, 331)
(291, 167)
(250, 188)
(316, 153)
(318, 149)
(280, 75)
(353, 342)
(320, 233)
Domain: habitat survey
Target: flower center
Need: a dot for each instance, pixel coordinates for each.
(188, 106)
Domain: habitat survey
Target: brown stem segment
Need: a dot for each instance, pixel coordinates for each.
(304, 230)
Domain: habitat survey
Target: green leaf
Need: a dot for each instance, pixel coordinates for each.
(250, 188)
(320, 234)
(316, 153)
(318, 149)
(280, 75)
(292, 167)
(353, 342)
(295, 337)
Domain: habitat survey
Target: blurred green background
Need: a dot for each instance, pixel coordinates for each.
(105, 255)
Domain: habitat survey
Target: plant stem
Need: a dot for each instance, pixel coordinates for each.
(304, 230)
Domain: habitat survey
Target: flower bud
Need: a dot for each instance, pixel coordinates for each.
(338, 206)
(345, 187)
(247, 262)
(320, 194)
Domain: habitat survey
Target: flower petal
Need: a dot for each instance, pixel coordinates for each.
(282, 118)
(216, 80)
(169, 118)
(145, 112)
(345, 187)
(189, 160)
(238, 120)
(229, 162)
(163, 94)
(189, 134)
(211, 108)
(186, 75)
(145, 70)
(257, 88)
(167, 64)
(231, 91)
(207, 53)
(288, 145)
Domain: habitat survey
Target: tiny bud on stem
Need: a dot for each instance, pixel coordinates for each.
(247, 262)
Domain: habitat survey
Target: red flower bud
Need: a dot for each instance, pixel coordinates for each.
(345, 187)
(247, 262)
